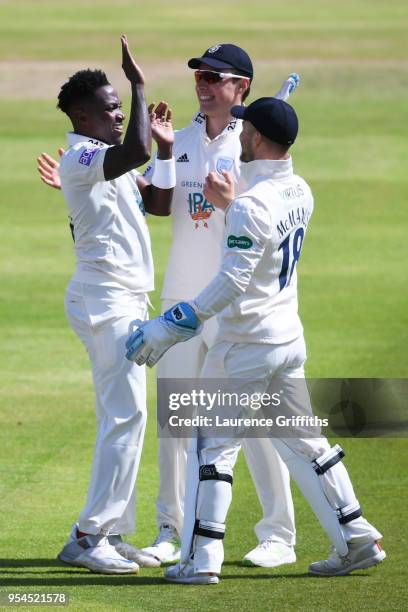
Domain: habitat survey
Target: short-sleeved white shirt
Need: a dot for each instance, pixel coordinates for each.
(197, 226)
(112, 242)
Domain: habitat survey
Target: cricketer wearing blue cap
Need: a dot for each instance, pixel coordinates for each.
(260, 339)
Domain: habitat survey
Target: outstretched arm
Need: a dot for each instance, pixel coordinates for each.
(136, 146)
(48, 168)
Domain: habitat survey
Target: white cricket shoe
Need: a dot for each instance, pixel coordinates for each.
(126, 550)
(96, 554)
(166, 547)
(184, 573)
(361, 555)
(270, 554)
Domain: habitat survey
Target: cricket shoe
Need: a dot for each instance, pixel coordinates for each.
(96, 554)
(166, 547)
(361, 555)
(127, 551)
(270, 554)
(184, 573)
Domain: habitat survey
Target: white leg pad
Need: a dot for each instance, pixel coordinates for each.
(190, 501)
(301, 469)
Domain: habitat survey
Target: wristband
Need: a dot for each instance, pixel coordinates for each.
(164, 174)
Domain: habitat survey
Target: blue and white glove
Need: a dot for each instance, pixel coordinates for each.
(153, 338)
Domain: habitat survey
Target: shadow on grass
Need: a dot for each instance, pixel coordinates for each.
(69, 576)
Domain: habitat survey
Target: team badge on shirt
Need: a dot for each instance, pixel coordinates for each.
(224, 164)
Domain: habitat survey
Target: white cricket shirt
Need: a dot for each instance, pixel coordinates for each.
(256, 288)
(112, 242)
(197, 226)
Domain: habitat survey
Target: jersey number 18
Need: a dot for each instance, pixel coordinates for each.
(288, 250)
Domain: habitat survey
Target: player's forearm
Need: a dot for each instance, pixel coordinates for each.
(219, 294)
(138, 138)
(157, 201)
(136, 147)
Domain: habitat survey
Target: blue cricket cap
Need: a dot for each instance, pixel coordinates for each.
(225, 55)
(273, 118)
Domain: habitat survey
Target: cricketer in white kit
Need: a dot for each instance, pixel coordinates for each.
(195, 256)
(113, 274)
(260, 338)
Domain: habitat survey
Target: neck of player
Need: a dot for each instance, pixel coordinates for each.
(216, 125)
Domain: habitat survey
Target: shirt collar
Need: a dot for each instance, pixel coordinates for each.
(74, 138)
(276, 169)
(199, 121)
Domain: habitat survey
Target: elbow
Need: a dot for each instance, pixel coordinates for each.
(144, 157)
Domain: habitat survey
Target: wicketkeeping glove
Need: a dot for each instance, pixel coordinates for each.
(152, 339)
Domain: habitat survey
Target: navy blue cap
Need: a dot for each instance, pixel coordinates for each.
(273, 118)
(225, 55)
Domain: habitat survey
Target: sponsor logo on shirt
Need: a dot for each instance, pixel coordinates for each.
(183, 158)
(239, 242)
(224, 164)
(199, 208)
(88, 155)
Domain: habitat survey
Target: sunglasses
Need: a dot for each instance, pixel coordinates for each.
(211, 77)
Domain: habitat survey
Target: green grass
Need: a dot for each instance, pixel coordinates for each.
(352, 149)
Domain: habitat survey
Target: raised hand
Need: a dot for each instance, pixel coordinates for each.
(162, 127)
(48, 168)
(132, 71)
(218, 191)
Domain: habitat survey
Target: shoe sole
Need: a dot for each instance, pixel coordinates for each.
(364, 564)
(194, 580)
(74, 563)
(249, 563)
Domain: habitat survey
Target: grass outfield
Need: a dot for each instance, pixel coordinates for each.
(352, 149)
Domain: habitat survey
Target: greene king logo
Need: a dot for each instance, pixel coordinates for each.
(240, 242)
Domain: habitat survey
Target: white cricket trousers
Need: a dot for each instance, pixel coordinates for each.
(269, 473)
(260, 363)
(100, 316)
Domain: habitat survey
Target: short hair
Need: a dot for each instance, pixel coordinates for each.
(80, 87)
(247, 91)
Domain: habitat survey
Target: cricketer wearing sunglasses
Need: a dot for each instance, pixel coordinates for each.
(223, 76)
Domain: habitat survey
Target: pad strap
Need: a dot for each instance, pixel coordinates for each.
(209, 472)
(348, 513)
(328, 459)
(209, 529)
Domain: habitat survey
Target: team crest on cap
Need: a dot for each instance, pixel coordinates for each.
(214, 49)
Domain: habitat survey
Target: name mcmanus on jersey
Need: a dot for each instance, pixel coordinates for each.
(298, 216)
